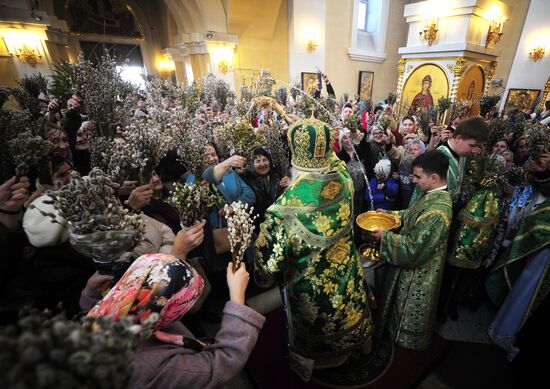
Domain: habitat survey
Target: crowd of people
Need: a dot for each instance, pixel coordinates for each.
(466, 235)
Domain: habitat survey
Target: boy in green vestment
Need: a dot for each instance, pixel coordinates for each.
(467, 140)
(416, 256)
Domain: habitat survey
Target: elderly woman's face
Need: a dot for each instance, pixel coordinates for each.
(346, 141)
(82, 139)
(210, 156)
(415, 150)
(261, 165)
(378, 136)
(60, 142)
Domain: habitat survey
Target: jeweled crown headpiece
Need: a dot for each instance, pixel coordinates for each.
(311, 142)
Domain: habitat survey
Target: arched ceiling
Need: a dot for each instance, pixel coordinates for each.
(256, 18)
(199, 16)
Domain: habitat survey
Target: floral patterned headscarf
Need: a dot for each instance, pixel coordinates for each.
(154, 283)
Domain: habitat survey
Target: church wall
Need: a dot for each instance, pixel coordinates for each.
(510, 37)
(525, 73)
(307, 21)
(342, 70)
(260, 45)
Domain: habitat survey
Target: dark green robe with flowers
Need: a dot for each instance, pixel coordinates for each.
(416, 256)
(307, 235)
(532, 236)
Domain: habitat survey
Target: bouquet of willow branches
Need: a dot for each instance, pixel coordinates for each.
(391, 99)
(275, 142)
(321, 108)
(190, 140)
(537, 136)
(193, 201)
(213, 90)
(367, 105)
(281, 95)
(90, 205)
(457, 109)
(262, 85)
(44, 350)
(102, 88)
(487, 103)
(443, 104)
(114, 157)
(240, 226)
(384, 120)
(515, 175)
(30, 152)
(149, 144)
(28, 92)
(484, 171)
(239, 138)
(498, 129)
(12, 123)
(352, 123)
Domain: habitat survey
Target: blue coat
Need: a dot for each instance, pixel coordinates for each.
(384, 199)
(232, 187)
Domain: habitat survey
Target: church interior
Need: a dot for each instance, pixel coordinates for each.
(158, 86)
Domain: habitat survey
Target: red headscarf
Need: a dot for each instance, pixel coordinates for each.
(154, 283)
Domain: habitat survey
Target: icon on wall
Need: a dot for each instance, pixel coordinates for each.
(364, 88)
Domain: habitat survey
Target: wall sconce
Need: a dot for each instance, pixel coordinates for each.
(24, 44)
(224, 66)
(311, 45)
(429, 33)
(494, 33)
(536, 53)
(166, 67)
(28, 55)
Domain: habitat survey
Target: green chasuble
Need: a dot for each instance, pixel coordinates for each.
(533, 235)
(307, 235)
(416, 256)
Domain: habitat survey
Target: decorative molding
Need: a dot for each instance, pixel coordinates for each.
(401, 66)
(491, 70)
(545, 94)
(367, 56)
(459, 67)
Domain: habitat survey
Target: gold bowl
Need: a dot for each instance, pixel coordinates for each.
(375, 220)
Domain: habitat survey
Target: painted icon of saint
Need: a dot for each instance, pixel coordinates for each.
(423, 99)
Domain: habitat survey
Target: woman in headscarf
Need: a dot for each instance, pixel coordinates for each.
(168, 287)
(266, 182)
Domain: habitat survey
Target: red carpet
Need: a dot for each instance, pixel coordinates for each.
(268, 364)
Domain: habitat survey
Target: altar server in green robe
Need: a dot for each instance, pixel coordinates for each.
(416, 256)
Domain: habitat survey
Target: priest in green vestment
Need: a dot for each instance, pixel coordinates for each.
(416, 256)
(307, 241)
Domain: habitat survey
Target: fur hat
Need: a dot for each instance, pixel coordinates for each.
(382, 169)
